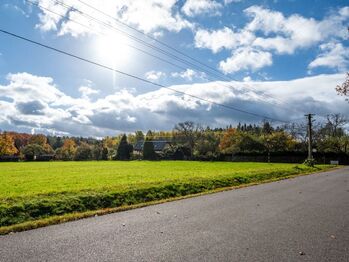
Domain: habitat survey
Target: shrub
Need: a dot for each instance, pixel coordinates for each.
(309, 162)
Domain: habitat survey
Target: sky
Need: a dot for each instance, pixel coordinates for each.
(274, 59)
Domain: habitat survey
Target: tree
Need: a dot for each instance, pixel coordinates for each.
(278, 141)
(41, 140)
(234, 141)
(105, 153)
(38, 139)
(186, 133)
(149, 135)
(20, 139)
(139, 136)
(229, 141)
(31, 151)
(206, 146)
(57, 143)
(83, 152)
(124, 149)
(67, 151)
(267, 128)
(334, 124)
(343, 89)
(330, 137)
(7, 145)
(148, 150)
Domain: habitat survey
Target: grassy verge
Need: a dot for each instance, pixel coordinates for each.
(26, 211)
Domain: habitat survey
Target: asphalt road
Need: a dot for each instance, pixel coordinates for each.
(301, 219)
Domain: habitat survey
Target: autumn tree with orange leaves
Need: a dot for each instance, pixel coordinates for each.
(7, 145)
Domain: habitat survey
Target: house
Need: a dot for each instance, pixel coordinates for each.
(159, 146)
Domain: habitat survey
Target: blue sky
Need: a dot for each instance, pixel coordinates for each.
(276, 58)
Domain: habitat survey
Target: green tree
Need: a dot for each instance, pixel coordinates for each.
(139, 136)
(124, 149)
(31, 151)
(148, 151)
(149, 135)
(278, 142)
(83, 152)
(206, 146)
(105, 153)
(267, 128)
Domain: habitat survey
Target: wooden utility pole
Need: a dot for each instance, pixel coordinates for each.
(310, 136)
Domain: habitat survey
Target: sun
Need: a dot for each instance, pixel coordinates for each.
(113, 50)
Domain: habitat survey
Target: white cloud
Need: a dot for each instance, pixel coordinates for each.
(333, 55)
(247, 79)
(231, 1)
(189, 75)
(295, 31)
(246, 59)
(226, 38)
(87, 91)
(28, 102)
(159, 14)
(271, 31)
(154, 75)
(197, 7)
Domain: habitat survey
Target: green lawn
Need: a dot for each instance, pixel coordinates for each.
(34, 190)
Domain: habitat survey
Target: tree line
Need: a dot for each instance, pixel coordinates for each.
(187, 140)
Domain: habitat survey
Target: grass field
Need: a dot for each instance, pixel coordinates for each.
(36, 190)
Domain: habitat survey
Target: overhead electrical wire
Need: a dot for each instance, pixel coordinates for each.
(166, 45)
(139, 78)
(221, 76)
(138, 49)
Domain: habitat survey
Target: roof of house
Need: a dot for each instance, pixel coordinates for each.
(159, 145)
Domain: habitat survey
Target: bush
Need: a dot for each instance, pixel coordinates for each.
(309, 162)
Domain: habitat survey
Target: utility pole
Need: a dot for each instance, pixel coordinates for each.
(310, 148)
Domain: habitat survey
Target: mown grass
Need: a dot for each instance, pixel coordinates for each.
(32, 191)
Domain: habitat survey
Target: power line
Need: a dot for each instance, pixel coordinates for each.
(160, 50)
(148, 36)
(140, 50)
(68, 7)
(138, 78)
(165, 44)
(89, 28)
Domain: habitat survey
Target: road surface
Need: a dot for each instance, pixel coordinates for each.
(301, 219)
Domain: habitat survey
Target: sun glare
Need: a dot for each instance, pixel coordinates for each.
(113, 50)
